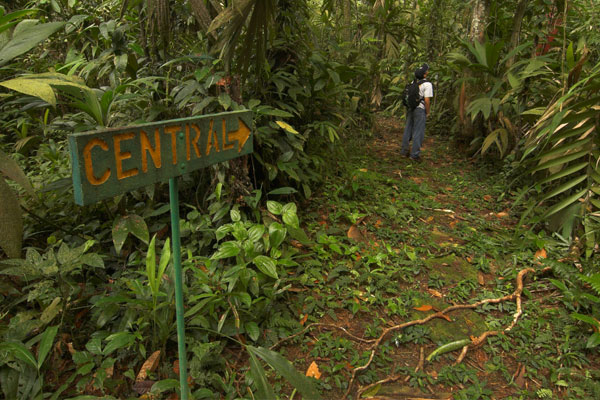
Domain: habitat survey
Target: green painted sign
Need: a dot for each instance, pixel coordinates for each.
(113, 161)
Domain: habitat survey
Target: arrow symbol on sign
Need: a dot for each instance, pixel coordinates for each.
(241, 135)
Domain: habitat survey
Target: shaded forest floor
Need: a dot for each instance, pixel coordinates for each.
(399, 241)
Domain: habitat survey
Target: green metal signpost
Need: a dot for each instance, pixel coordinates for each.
(114, 161)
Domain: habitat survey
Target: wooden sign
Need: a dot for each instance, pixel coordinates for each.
(113, 161)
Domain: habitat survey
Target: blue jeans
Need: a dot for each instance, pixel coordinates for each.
(415, 131)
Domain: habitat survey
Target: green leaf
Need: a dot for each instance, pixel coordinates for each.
(593, 340)
(289, 215)
(252, 330)
(255, 233)
(266, 110)
(226, 250)
(235, 215)
(564, 187)
(225, 101)
(118, 341)
(274, 207)
(560, 160)
(165, 385)
(26, 38)
(11, 234)
(564, 203)
(586, 319)
(371, 392)
(304, 385)
(276, 234)
(564, 172)
(51, 311)
(283, 190)
(20, 352)
(125, 225)
(263, 388)
(165, 257)
(46, 344)
(150, 262)
(266, 265)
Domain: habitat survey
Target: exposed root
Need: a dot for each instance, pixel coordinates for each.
(440, 314)
(462, 355)
(475, 341)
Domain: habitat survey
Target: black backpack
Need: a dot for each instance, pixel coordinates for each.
(411, 98)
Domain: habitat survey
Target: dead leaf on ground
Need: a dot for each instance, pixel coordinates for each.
(434, 293)
(313, 371)
(502, 214)
(541, 253)
(520, 376)
(480, 278)
(176, 367)
(355, 234)
(487, 197)
(149, 366)
(424, 307)
(303, 320)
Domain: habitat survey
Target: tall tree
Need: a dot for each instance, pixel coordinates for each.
(479, 16)
(516, 28)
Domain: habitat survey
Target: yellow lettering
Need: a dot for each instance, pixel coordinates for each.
(187, 142)
(226, 145)
(172, 130)
(120, 156)
(195, 141)
(147, 147)
(212, 137)
(87, 161)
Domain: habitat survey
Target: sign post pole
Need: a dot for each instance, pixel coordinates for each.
(174, 204)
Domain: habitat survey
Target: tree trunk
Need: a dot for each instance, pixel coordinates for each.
(516, 29)
(202, 15)
(435, 18)
(479, 17)
(347, 10)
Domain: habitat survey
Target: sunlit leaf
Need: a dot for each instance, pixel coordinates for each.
(313, 371)
(425, 307)
(287, 127)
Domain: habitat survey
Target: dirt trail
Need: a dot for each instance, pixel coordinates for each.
(438, 231)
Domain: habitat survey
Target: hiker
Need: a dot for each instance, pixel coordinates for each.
(416, 114)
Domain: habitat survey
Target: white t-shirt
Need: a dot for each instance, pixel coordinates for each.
(425, 90)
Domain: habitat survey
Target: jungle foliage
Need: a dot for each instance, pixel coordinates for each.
(86, 293)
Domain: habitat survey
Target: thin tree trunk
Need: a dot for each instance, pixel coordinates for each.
(479, 20)
(516, 29)
(434, 36)
(347, 10)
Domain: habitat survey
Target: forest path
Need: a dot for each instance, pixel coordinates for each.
(398, 241)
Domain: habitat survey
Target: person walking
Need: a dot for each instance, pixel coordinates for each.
(415, 118)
